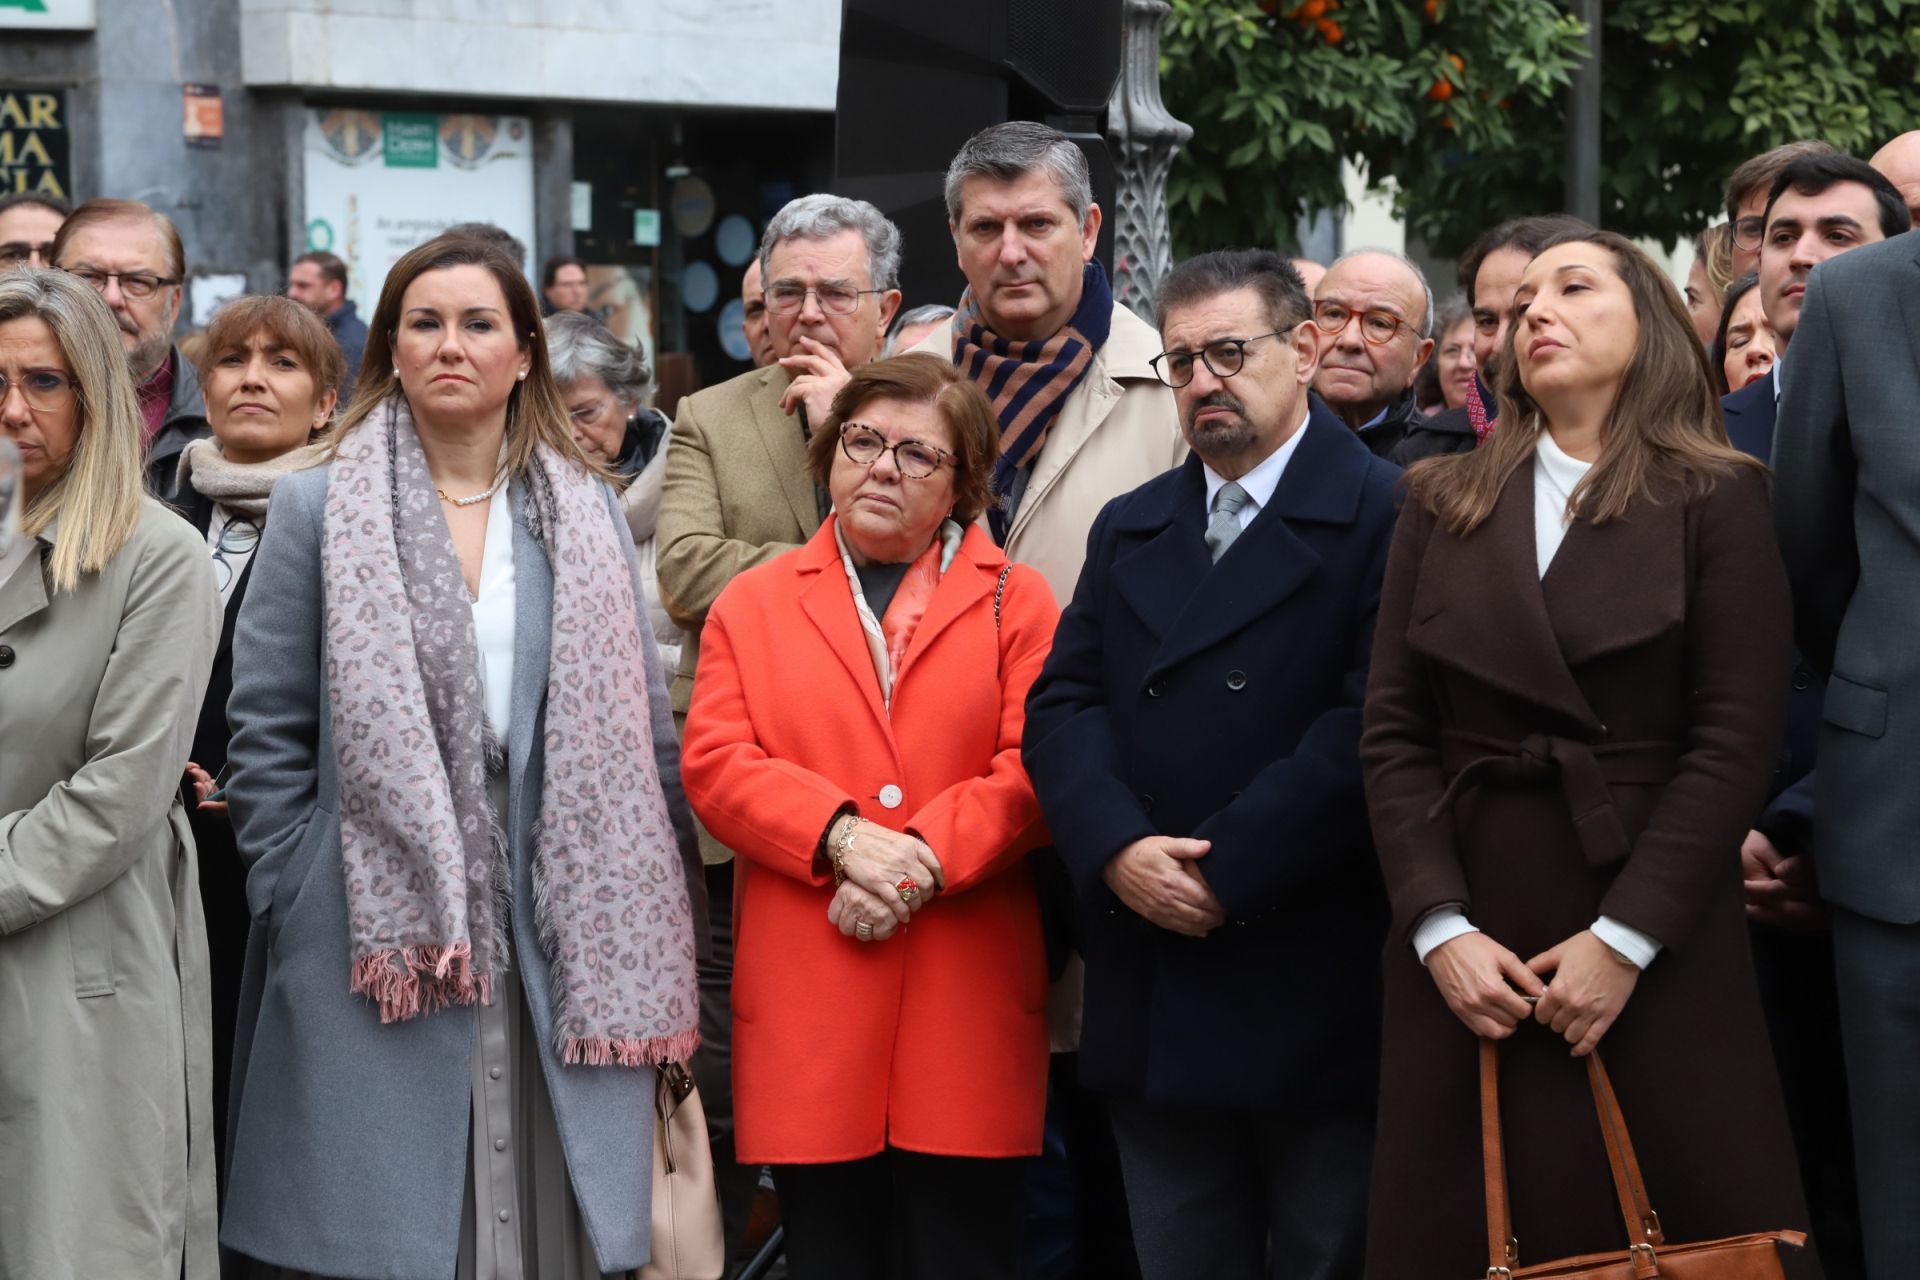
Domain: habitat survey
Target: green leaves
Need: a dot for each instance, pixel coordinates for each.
(1458, 106)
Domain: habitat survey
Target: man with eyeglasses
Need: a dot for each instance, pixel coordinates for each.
(1746, 202)
(28, 224)
(132, 257)
(1373, 314)
(1194, 742)
(737, 493)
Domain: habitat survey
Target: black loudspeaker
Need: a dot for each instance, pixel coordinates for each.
(916, 81)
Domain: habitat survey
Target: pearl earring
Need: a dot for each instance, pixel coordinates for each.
(523, 375)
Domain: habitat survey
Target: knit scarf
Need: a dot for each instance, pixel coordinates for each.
(241, 487)
(1029, 381)
(427, 870)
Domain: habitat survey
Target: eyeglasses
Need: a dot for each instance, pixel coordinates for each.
(1748, 231)
(863, 445)
(239, 539)
(136, 284)
(19, 251)
(43, 389)
(1377, 327)
(1223, 357)
(788, 299)
(590, 412)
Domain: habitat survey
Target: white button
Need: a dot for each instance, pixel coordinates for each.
(493, 1073)
(890, 796)
(503, 1215)
(499, 1144)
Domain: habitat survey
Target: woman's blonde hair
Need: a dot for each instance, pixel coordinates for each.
(1665, 421)
(536, 412)
(96, 496)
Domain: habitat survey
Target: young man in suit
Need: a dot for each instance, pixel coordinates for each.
(1194, 743)
(1847, 506)
(1820, 206)
(737, 494)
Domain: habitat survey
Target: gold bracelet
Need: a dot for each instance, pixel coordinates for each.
(842, 847)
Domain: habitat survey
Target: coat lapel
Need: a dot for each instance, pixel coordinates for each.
(1619, 584)
(1157, 577)
(1478, 607)
(786, 448)
(24, 593)
(532, 641)
(828, 603)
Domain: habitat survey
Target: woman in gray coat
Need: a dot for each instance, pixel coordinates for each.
(108, 618)
(453, 772)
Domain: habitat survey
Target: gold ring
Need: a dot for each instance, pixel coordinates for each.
(907, 889)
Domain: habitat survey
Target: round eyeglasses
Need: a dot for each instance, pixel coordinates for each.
(863, 446)
(1377, 327)
(1223, 357)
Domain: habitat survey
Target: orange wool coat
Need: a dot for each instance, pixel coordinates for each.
(934, 1040)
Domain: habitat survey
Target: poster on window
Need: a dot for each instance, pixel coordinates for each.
(381, 182)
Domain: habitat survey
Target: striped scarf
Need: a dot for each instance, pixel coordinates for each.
(1029, 381)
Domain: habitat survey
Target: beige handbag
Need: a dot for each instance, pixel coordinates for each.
(688, 1243)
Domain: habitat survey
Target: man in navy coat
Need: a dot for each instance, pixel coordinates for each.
(1194, 743)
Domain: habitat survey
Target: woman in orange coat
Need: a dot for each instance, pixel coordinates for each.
(855, 737)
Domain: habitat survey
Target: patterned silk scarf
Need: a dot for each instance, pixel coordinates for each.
(1029, 381)
(888, 637)
(426, 862)
(1479, 412)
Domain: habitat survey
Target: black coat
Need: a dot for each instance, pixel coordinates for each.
(1788, 821)
(223, 876)
(185, 421)
(1222, 702)
(1407, 434)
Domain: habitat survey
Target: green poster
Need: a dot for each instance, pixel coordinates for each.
(412, 139)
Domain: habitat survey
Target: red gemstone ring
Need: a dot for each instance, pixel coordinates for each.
(907, 889)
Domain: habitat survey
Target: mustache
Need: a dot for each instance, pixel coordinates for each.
(1214, 400)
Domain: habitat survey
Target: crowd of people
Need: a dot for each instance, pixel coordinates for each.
(1211, 790)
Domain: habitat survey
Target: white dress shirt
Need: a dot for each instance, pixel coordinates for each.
(1555, 474)
(493, 611)
(1259, 482)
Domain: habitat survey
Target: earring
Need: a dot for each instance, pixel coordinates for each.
(523, 375)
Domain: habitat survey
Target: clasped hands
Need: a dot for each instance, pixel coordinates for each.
(1159, 879)
(876, 863)
(1492, 992)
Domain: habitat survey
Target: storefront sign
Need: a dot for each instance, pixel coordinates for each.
(205, 122)
(380, 182)
(646, 228)
(34, 145)
(48, 15)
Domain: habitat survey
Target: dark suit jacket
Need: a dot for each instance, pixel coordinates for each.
(1222, 702)
(1847, 476)
(1750, 413)
(1788, 820)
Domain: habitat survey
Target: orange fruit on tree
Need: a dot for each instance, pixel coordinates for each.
(1331, 30)
(1440, 91)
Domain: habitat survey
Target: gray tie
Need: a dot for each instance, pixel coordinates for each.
(1225, 525)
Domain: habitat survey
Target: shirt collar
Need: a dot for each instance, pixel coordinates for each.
(1263, 479)
(1774, 373)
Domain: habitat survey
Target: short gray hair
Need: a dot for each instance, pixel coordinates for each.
(578, 346)
(1009, 151)
(929, 314)
(1425, 329)
(821, 216)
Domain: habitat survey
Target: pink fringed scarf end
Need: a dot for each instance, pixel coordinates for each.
(651, 1052)
(406, 982)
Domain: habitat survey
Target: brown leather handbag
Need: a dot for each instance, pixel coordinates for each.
(1647, 1255)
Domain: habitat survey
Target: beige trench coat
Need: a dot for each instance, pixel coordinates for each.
(106, 1160)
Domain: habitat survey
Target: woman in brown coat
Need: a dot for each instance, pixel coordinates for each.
(1576, 690)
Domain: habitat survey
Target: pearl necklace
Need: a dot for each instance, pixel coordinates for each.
(482, 496)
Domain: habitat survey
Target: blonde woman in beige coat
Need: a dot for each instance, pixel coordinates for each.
(108, 620)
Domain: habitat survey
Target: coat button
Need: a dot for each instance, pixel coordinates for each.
(1157, 688)
(6, 655)
(891, 796)
(499, 1144)
(503, 1215)
(1802, 681)
(1236, 680)
(1146, 802)
(493, 1073)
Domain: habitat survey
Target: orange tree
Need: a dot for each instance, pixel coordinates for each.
(1462, 104)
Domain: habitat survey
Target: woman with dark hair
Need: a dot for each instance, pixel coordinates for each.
(270, 372)
(472, 874)
(1577, 688)
(855, 738)
(1745, 346)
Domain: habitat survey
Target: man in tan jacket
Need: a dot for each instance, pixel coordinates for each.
(738, 493)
